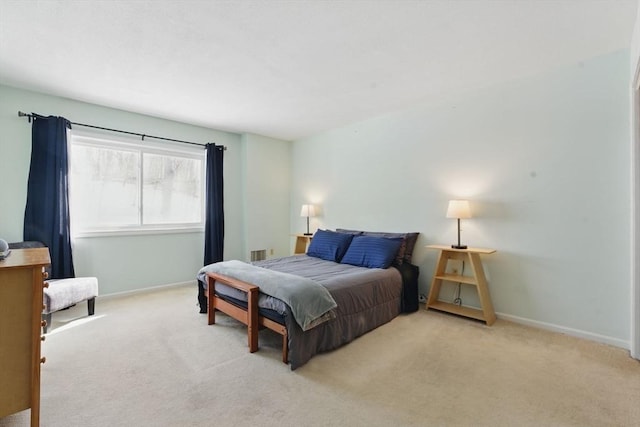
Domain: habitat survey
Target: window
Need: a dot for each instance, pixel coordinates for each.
(134, 186)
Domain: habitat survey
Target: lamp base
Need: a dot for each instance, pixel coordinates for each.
(307, 234)
(459, 246)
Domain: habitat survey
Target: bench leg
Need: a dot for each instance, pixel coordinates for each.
(91, 305)
(47, 321)
(285, 348)
(252, 319)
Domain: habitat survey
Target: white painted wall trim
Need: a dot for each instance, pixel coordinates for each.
(635, 189)
(603, 339)
(192, 283)
(635, 220)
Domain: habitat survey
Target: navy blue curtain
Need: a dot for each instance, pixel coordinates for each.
(46, 215)
(214, 221)
(214, 215)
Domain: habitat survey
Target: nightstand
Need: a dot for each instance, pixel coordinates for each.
(472, 256)
(302, 243)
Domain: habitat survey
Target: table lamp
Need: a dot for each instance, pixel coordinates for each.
(458, 209)
(308, 210)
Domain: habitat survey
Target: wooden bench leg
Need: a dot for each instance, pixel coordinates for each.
(211, 289)
(91, 306)
(285, 348)
(249, 316)
(252, 320)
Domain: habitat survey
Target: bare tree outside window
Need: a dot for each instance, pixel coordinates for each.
(172, 189)
(124, 186)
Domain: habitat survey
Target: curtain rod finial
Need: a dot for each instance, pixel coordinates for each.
(28, 116)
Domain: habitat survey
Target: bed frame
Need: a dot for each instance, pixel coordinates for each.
(249, 316)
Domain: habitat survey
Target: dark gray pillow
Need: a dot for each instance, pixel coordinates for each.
(405, 253)
(345, 231)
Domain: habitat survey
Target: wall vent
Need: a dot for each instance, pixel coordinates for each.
(259, 255)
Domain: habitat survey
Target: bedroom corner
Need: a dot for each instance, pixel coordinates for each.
(635, 196)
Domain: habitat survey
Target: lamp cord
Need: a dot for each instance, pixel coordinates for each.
(458, 299)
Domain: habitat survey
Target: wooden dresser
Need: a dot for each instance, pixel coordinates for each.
(21, 282)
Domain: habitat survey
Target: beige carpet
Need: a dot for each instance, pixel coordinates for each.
(151, 360)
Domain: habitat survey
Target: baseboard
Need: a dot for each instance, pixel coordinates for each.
(150, 289)
(616, 342)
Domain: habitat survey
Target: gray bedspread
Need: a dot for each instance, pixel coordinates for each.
(366, 298)
(310, 302)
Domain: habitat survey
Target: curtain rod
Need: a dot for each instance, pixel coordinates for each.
(142, 135)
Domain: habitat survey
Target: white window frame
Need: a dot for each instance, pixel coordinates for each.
(143, 146)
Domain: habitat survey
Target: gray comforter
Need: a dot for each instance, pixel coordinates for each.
(310, 302)
(366, 298)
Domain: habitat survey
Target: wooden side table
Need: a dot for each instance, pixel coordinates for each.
(472, 256)
(302, 243)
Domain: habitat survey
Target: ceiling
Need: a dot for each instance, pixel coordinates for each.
(290, 69)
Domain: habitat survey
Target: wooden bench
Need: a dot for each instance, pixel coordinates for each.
(249, 316)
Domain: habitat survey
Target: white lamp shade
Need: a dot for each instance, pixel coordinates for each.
(308, 210)
(458, 209)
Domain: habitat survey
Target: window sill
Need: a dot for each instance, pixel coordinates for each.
(137, 232)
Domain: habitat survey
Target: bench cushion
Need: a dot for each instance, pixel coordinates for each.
(63, 293)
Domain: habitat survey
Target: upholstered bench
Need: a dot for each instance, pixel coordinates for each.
(64, 293)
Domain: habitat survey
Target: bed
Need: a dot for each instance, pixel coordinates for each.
(345, 264)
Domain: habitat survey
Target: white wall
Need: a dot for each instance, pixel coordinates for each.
(545, 164)
(128, 263)
(635, 46)
(266, 192)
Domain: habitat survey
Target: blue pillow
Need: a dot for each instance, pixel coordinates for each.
(372, 252)
(329, 245)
